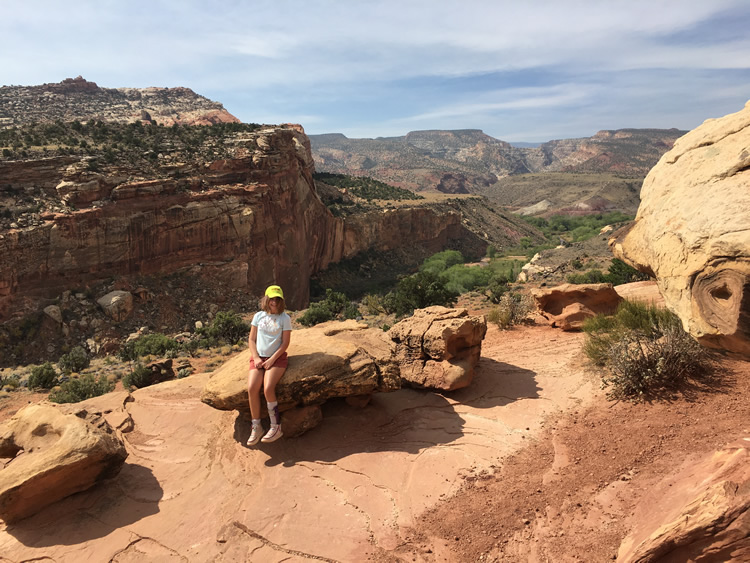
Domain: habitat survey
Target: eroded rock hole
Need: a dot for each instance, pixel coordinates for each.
(722, 293)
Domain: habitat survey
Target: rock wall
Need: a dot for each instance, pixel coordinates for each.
(692, 231)
(255, 218)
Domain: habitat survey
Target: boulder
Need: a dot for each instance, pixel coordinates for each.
(54, 313)
(567, 306)
(692, 231)
(438, 348)
(329, 360)
(51, 454)
(117, 305)
(702, 513)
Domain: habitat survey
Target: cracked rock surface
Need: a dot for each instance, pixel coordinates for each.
(191, 491)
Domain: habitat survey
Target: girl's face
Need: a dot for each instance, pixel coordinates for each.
(273, 304)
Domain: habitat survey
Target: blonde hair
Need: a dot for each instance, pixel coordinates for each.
(264, 304)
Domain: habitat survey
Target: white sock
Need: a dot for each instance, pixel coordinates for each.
(256, 422)
(272, 413)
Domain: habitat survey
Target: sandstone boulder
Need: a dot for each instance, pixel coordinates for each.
(328, 360)
(700, 514)
(49, 455)
(567, 306)
(118, 305)
(692, 231)
(439, 348)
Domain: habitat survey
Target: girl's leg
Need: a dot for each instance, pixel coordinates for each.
(254, 383)
(272, 377)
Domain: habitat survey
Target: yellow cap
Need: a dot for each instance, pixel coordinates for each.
(274, 291)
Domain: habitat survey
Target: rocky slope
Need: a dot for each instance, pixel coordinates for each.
(78, 99)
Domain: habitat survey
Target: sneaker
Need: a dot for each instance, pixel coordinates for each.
(255, 435)
(273, 434)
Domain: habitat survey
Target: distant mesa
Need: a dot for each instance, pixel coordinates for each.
(79, 99)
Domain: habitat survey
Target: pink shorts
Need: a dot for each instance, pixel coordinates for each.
(281, 362)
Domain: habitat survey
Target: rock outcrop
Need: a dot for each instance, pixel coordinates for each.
(50, 455)
(439, 348)
(567, 306)
(700, 514)
(692, 231)
(329, 360)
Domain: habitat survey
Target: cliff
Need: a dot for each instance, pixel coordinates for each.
(253, 215)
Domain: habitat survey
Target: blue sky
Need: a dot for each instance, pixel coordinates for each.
(520, 71)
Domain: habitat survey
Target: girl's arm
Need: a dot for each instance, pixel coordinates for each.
(251, 340)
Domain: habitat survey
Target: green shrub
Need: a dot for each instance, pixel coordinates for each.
(141, 376)
(75, 360)
(619, 273)
(227, 327)
(80, 389)
(417, 291)
(463, 279)
(184, 372)
(336, 305)
(438, 263)
(592, 276)
(12, 381)
(43, 377)
(645, 352)
(156, 344)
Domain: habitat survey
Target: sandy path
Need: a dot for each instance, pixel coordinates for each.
(190, 490)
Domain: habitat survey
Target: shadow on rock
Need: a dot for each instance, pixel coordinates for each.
(497, 384)
(132, 495)
(408, 420)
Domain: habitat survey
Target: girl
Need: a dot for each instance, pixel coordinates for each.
(270, 332)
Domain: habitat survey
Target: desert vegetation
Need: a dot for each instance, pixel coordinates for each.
(110, 143)
(645, 352)
(365, 187)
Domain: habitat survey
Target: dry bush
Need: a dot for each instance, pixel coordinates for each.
(512, 309)
(646, 353)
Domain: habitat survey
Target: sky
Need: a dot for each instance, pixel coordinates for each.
(521, 71)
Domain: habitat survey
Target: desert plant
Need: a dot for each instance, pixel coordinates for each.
(184, 372)
(156, 344)
(512, 309)
(11, 382)
(80, 389)
(373, 304)
(140, 376)
(75, 360)
(43, 377)
(417, 291)
(335, 305)
(645, 352)
(227, 327)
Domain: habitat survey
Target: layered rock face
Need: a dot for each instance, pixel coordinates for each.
(255, 218)
(692, 231)
(79, 99)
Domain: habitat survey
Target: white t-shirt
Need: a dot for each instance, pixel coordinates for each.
(270, 329)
